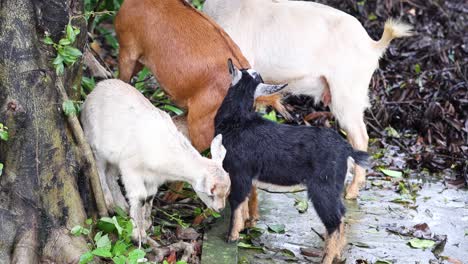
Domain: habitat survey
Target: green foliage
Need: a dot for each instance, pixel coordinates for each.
(70, 108)
(4, 136)
(301, 205)
(198, 4)
(421, 243)
(206, 212)
(391, 173)
(67, 55)
(4, 132)
(112, 240)
(277, 228)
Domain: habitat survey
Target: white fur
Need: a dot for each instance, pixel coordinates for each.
(299, 43)
(130, 137)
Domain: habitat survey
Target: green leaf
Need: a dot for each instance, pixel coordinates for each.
(119, 259)
(173, 109)
(383, 262)
(277, 228)
(271, 116)
(301, 205)
(288, 253)
(70, 34)
(98, 236)
(64, 42)
(72, 51)
(421, 243)
(215, 214)
(249, 246)
(102, 252)
(392, 173)
(198, 211)
(1, 170)
(4, 135)
(417, 68)
(47, 40)
(59, 69)
(58, 60)
(120, 212)
(104, 243)
(120, 248)
(117, 226)
(372, 17)
(69, 108)
(391, 132)
(76, 230)
(402, 200)
(86, 258)
(89, 221)
(181, 262)
(135, 255)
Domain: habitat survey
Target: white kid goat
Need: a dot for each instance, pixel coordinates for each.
(132, 138)
(318, 50)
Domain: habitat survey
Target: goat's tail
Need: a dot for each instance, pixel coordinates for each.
(361, 158)
(393, 29)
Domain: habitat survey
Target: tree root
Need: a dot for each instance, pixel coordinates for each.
(26, 247)
(87, 157)
(180, 246)
(96, 69)
(61, 247)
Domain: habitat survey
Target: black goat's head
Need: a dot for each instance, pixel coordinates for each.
(252, 83)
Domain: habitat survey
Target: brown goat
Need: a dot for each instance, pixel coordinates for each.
(187, 53)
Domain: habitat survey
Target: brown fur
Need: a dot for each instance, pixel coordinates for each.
(187, 52)
(238, 221)
(334, 244)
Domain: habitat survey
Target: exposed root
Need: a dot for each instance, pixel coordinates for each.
(96, 69)
(87, 158)
(61, 247)
(26, 247)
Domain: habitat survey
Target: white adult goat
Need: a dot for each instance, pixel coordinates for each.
(131, 137)
(318, 50)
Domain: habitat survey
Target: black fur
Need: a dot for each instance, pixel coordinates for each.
(282, 154)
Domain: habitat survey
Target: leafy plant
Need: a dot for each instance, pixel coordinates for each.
(3, 132)
(207, 212)
(421, 243)
(112, 241)
(277, 228)
(3, 136)
(198, 4)
(67, 55)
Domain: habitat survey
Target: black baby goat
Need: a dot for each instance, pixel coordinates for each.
(277, 157)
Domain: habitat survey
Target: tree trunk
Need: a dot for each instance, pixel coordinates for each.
(43, 192)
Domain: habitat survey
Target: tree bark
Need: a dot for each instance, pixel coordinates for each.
(43, 190)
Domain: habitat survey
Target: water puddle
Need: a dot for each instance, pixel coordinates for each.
(370, 220)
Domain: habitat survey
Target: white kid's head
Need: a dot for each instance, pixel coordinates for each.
(215, 187)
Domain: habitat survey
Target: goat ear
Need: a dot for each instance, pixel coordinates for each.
(235, 73)
(266, 89)
(218, 152)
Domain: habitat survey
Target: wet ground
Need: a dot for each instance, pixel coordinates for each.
(376, 225)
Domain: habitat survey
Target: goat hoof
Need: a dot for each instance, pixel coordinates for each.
(251, 223)
(352, 192)
(232, 239)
